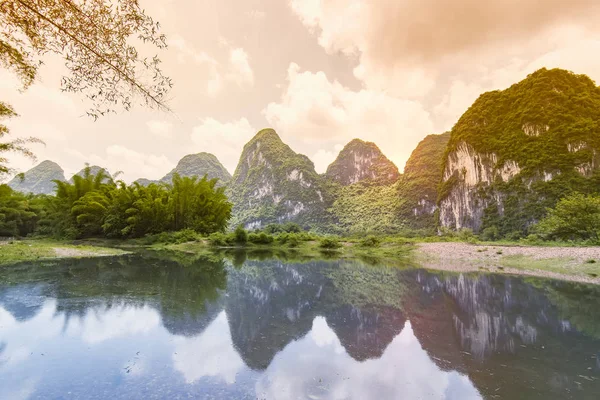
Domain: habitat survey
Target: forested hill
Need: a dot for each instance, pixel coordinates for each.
(512, 155)
(516, 152)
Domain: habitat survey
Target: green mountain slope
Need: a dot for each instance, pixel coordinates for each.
(418, 186)
(517, 151)
(39, 179)
(272, 183)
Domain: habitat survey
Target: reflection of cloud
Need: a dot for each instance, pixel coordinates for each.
(313, 367)
(110, 323)
(208, 354)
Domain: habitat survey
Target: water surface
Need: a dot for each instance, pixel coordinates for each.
(176, 326)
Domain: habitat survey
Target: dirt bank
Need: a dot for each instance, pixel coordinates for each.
(580, 264)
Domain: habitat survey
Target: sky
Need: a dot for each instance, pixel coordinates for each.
(320, 72)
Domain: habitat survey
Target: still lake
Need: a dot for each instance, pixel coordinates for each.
(170, 326)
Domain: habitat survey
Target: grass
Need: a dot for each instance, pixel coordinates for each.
(563, 265)
(31, 250)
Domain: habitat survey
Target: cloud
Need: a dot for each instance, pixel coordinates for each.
(133, 164)
(223, 139)
(161, 129)
(315, 112)
(325, 370)
(414, 48)
(235, 70)
(209, 354)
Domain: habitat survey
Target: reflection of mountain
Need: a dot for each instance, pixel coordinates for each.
(271, 304)
(501, 332)
(509, 337)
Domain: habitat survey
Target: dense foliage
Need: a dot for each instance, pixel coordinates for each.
(19, 213)
(418, 185)
(548, 124)
(95, 205)
(576, 217)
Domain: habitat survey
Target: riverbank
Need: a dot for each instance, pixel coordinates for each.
(578, 264)
(32, 250)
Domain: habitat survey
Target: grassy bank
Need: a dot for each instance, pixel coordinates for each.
(31, 250)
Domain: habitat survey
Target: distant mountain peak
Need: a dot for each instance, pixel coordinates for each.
(39, 179)
(200, 164)
(361, 161)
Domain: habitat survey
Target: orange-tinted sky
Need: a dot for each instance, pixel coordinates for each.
(320, 72)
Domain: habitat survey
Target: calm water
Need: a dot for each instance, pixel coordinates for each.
(168, 326)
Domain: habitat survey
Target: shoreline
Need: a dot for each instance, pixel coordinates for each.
(574, 264)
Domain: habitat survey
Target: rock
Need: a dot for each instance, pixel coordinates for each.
(39, 179)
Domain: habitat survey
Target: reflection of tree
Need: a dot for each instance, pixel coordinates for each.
(186, 296)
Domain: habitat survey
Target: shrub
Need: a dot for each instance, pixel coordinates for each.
(293, 241)
(240, 235)
(370, 241)
(329, 243)
(575, 217)
(260, 238)
(220, 239)
(466, 235)
(184, 236)
(490, 233)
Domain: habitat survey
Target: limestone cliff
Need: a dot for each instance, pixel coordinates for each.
(272, 183)
(361, 161)
(516, 152)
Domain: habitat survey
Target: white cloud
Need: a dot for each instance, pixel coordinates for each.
(133, 164)
(318, 365)
(161, 129)
(241, 72)
(315, 112)
(209, 354)
(235, 70)
(223, 139)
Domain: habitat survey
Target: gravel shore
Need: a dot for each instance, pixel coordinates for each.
(566, 263)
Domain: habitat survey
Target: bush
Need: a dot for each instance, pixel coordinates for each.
(184, 236)
(490, 233)
(220, 239)
(329, 243)
(240, 235)
(370, 241)
(293, 241)
(466, 235)
(575, 217)
(260, 238)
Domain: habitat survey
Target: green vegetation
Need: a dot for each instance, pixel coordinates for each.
(272, 181)
(329, 243)
(97, 206)
(575, 217)
(548, 125)
(16, 251)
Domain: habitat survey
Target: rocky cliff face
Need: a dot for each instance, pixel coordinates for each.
(361, 161)
(39, 179)
(516, 152)
(272, 183)
(199, 165)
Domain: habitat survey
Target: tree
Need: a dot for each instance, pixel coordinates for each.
(16, 145)
(97, 40)
(575, 217)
